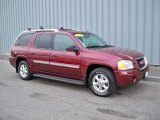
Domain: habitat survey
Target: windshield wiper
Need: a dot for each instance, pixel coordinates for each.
(99, 46)
(107, 46)
(94, 46)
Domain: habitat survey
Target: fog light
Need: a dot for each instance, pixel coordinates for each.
(124, 73)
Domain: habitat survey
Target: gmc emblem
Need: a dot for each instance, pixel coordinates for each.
(142, 62)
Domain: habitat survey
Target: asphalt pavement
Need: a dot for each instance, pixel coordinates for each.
(43, 99)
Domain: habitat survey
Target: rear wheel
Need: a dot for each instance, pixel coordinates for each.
(102, 82)
(24, 71)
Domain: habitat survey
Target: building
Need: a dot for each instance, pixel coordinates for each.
(133, 24)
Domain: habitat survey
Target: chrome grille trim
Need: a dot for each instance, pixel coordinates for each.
(144, 65)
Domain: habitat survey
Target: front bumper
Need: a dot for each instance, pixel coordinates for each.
(124, 78)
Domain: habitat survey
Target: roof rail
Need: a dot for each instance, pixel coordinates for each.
(55, 30)
(41, 28)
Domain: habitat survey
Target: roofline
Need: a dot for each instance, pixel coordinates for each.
(52, 30)
(41, 30)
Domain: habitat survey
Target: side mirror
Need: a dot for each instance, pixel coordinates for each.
(73, 48)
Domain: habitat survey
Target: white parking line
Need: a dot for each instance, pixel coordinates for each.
(156, 77)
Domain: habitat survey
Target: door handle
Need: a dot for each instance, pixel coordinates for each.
(32, 53)
(54, 55)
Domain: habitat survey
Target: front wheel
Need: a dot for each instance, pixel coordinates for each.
(102, 82)
(24, 71)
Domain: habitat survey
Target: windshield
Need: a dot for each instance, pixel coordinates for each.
(90, 40)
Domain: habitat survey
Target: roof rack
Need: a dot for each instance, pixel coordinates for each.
(42, 29)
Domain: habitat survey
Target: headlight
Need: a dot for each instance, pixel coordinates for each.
(125, 65)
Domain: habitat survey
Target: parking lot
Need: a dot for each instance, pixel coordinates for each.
(43, 99)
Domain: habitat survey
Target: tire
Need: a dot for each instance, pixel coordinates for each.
(102, 82)
(24, 70)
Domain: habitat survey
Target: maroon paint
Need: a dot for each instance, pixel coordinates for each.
(105, 56)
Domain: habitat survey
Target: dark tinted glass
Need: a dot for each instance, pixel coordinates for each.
(43, 41)
(61, 42)
(23, 40)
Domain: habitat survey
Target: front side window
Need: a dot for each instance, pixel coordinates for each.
(23, 40)
(61, 42)
(43, 41)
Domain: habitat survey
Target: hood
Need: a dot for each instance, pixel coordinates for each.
(121, 52)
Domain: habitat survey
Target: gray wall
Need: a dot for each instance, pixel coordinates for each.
(133, 24)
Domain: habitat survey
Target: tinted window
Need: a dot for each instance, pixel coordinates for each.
(43, 41)
(23, 40)
(61, 42)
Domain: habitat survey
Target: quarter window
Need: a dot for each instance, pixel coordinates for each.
(61, 42)
(43, 41)
(23, 40)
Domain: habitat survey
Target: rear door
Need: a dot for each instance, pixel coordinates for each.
(40, 52)
(63, 62)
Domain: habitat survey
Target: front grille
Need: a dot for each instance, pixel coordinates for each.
(141, 62)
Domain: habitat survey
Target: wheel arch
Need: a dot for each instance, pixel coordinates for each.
(18, 60)
(91, 67)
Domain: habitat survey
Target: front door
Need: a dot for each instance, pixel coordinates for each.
(63, 62)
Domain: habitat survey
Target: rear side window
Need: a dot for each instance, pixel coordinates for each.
(23, 40)
(61, 42)
(43, 41)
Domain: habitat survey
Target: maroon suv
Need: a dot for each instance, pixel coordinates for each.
(76, 57)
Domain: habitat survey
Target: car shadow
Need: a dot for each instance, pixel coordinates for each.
(60, 84)
(125, 91)
(131, 90)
